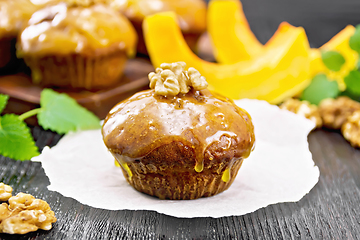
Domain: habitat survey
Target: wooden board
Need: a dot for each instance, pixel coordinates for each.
(24, 95)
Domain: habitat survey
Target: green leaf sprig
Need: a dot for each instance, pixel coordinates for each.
(333, 60)
(58, 112)
(352, 81)
(321, 87)
(354, 41)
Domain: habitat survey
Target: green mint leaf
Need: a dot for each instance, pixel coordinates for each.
(3, 101)
(319, 89)
(354, 41)
(16, 141)
(62, 114)
(333, 60)
(352, 81)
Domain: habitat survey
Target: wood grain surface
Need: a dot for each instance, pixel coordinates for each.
(330, 211)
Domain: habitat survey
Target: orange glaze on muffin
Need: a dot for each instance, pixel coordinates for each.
(77, 47)
(66, 30)
(179, 147)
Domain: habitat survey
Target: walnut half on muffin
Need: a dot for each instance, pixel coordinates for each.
(178, 140)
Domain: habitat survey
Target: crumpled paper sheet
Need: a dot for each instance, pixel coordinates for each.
(280, 169)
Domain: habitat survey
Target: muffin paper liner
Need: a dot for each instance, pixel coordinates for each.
(195, 186)
(280, 169)
(76, 71)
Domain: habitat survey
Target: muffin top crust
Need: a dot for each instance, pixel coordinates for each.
(197, 119)
(14, 16)
(64, 30)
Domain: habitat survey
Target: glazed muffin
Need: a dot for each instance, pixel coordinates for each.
(77, 47)
(191, 16)
(178, 140)
(14, 16)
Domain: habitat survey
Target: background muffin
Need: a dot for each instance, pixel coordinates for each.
(191, 16)
(78, 47)
(14, 15)
(185, 146)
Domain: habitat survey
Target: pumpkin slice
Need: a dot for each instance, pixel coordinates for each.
(230, 33)
(280, 72)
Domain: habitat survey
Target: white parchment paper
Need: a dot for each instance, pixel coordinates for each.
(280, 169)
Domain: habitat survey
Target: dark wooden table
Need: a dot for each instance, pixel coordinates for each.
(330, 211)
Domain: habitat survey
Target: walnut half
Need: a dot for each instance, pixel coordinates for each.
(23, 213)
(172, 79)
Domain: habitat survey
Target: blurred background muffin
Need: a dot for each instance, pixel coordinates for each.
(14, 15)
(191, 16)
(77, 46)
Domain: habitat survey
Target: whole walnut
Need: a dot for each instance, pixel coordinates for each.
(172, 79)
(25, 214)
